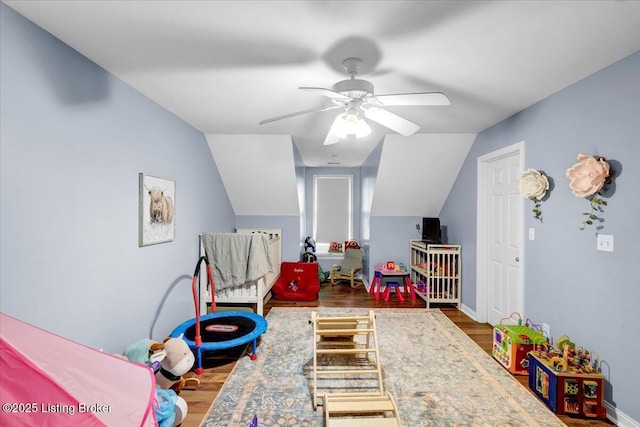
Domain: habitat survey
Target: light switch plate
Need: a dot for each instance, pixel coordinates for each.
(605, 242)
(532, 234)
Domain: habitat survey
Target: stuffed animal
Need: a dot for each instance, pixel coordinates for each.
(170, 409)
(174, 360)
(309, 244)
(309, 250)
(335, 247)
(145, 351)
(178, 361)
(351, 244)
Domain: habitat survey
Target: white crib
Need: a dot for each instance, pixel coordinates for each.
(256, 292)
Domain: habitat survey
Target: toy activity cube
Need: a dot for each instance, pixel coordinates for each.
(511, 345)
(567, 393)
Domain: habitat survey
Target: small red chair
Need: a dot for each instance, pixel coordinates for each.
(298, 281)
(387, 291)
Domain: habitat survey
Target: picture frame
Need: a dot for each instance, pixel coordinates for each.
(157, 208)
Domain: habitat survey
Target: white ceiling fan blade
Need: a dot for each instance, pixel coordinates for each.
(326, 92)
(419, 98)
(299, 113)
(391, 120)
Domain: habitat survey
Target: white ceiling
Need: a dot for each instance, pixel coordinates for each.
(223, 66)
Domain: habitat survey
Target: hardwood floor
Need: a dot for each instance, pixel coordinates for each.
(218, 366)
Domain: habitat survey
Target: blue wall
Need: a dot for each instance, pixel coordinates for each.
(591, 296)
(368, 177)
(290, 226)
(301, 185)
(73, 140)
(390, 239)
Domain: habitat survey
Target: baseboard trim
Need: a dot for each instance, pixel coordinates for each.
(619, 418)
(468, 311)
(364, 282)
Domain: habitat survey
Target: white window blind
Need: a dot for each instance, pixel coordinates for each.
(332, 200)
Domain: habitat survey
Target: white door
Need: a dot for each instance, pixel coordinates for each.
(500, 282)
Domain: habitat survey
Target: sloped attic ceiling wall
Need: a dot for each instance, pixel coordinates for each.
(417, 172)
(414, 177)
(258, 172)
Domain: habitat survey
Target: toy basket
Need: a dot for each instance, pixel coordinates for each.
(512, 342)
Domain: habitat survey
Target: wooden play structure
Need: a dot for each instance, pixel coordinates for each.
(355, 338)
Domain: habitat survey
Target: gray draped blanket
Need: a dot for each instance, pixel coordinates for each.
(237, 258)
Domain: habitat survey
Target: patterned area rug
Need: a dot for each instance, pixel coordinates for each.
(437, 375)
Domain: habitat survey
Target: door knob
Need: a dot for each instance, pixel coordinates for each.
(517, 259)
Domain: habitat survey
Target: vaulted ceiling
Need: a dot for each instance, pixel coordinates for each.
(223, 66)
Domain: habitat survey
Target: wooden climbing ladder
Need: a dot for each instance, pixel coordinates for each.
(355, 336)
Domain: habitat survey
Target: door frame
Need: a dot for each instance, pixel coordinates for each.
(482, 235)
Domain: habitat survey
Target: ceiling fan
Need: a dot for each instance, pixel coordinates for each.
(356, 98)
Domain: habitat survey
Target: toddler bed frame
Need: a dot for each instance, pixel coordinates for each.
(256, 292)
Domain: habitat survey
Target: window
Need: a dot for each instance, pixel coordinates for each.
(332, 201)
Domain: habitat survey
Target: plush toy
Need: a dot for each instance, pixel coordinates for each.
(145, 351)
(335, 247)
(310, 256)
(174, 360)
(353, 244)
(309, 250)
(178, 361)
(170, 409)
(309, 244)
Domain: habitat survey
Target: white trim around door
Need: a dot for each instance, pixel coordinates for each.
(482, 237)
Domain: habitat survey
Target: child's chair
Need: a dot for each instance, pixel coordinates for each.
(347, 269)
(298, 281)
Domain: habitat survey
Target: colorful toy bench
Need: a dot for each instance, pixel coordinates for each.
(298, 281)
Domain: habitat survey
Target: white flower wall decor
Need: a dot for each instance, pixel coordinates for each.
(534, 185)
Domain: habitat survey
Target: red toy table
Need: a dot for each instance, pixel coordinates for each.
(383, 273)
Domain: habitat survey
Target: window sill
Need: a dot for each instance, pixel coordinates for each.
(327, 255)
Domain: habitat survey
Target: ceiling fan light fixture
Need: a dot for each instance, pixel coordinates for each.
(348, 125)
(351, 124)
(362, 129)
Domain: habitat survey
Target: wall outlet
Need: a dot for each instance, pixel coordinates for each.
(546, 330)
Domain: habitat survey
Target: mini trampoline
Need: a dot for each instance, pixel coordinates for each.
(223, 330)
(218, 330)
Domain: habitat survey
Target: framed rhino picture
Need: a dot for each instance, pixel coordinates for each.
(157, 210)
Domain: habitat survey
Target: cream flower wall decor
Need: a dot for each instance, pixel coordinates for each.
(586, 179)
(534, 185)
